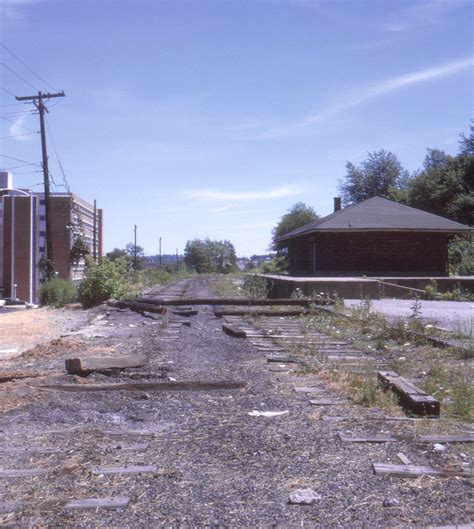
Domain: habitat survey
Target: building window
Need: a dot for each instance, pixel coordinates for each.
(42, 202)
(42, 217)
(42, 234)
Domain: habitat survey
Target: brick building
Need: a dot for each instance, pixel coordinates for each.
(376, 237)
(23, 236)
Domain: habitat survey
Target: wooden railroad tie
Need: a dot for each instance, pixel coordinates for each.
(103, 364)
(152, 386)
(410, 397)
(415, 471)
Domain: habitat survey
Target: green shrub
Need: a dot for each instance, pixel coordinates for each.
(58, 292)
(104, 281)
(256, 286)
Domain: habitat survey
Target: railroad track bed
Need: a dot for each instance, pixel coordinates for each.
(239, 425)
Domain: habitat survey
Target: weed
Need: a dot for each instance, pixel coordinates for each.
(256, 286)
(462, 395)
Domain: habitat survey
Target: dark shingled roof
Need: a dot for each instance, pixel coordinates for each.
(379, 214)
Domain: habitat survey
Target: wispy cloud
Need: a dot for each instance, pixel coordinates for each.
(368, 93)
(244, 196)
(17, 129)
(421, 14)
(11, 9)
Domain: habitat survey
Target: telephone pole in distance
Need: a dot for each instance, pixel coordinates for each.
(39, 104)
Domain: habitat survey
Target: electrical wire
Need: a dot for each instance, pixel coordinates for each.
(19, 76)
(18, 113)
(19, 160)
(60, 165)
(17, 135)
(18, 125)
(7, 91)
(25, 65)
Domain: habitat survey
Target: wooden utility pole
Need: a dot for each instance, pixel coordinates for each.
(39, 104)
(135, 248)
(94, 237)
(160, 252)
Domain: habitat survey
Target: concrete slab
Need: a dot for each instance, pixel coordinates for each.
(456, 316)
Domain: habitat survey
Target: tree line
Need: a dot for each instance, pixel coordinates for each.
(443, 186)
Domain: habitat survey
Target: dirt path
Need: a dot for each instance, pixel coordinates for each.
(210, 463)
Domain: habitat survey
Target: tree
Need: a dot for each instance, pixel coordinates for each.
(136, 252)
(298, 215)
(115, 254)
(79, 250)
(381, 174)
(206, 256)
(445, 186)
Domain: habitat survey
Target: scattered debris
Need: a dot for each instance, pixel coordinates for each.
(257, 413)
(303, 497)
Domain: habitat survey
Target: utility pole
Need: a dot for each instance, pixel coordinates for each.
(160, 253)
(39, 104)
(135, 248)
(94, 237)
(177, 261)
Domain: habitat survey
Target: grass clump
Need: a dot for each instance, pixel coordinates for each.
(57, 292)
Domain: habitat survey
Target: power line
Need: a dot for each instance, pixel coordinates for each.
(19, 160)
(19, 76)
(17, 135)
(19, 125)
(60, 165)
(7, 91)
(23, 112)
(25, 65)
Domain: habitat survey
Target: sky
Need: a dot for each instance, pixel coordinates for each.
(211, 118)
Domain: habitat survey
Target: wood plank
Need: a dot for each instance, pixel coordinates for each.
(410, 397)
(259, 312)
(137, 306)
(469, 525)
(382, 438)
(223, 301)
(100, 364)
(151, 386)
(308, 389)
(98, 503)
(185, 312)
(19, 375)
(414, 471)
(282, 359)
(231, 331)
(138, 447)
(448, 438)
(403, 458)
(29, 450)
(328, 402)
(143, 469)
(8, 473)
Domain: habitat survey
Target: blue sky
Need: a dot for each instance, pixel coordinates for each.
(212, 118)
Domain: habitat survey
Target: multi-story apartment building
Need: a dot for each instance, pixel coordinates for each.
(23, 237)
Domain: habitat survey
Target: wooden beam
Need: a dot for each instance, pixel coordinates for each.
(414, 471)
(136, 306)
(231, 331)
(98, 503)
(100, 364)
(158, 386)
(223, 301)
(259, 312)
(410, 397)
